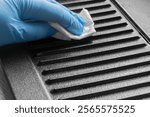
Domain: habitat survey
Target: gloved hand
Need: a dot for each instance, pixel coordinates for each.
(27, 20)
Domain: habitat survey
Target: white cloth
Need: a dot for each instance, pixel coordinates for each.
(89, 29)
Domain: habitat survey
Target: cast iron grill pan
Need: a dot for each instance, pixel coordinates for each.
(113, 64)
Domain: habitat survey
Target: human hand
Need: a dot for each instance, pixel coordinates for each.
(27, 20)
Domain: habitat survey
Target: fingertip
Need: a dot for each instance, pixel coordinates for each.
(76, 28)
(77, 25)
(79, 18)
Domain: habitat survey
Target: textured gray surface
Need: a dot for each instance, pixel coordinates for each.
(5, 89)
(139, 10)
(25, 81)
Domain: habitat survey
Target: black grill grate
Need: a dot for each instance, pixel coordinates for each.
(113, 64)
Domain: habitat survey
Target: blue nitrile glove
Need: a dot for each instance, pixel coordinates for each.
(27, 20)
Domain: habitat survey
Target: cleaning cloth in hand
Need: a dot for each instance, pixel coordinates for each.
(88, 30)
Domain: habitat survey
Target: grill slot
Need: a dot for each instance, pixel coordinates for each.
(55, 46)
(96, 72)
(106, 20)
(100, 62)
(51, 61)
(112, 64)
(98, 7)
(98, 83)
(61, 80)
(71, 62)
(83, 4)
(65, 2)
(139, 97)
(88, 50)
(109, 27)
(92, 45)
(67, 51)
(110, 12)
(89, 96)
(115, 33)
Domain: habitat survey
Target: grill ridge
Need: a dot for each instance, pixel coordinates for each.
(108, 19)
(98, 83)
(110, 12)
(117, 33)
(96, 54)
(81, 76)
(68, 50)
(138, 97)
(90, 8)
(71, 45)
(88, 96)
(112, 26)
(115, 42)
(82, 3)
(107, 61)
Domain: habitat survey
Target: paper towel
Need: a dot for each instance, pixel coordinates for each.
(88, 30)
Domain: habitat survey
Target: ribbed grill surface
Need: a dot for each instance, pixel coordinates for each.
(113, 64)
